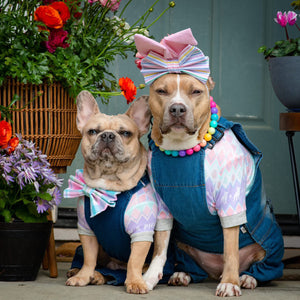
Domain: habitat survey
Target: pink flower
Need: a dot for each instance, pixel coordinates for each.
(281, 18)
(57, 38)
(113, 5)
(291, 17)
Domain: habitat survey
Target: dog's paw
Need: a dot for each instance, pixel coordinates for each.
(248, 282)
(72, 272)
(81, 279)
(228, 290)
(98, 279)
(152, 279)
(180, 278)
(136, 287)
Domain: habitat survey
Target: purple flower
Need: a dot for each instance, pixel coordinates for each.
(42, 205)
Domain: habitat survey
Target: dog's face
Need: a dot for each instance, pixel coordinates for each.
(110, 140)
(180, 107)
(113, 154)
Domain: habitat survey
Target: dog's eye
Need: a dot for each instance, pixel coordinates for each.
(197, 92)
(161, 91)
(125, 133)
(93, 132)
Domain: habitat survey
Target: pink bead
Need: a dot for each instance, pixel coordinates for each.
(213, 104)
(197, 148)
(189, 151)
(211, 98)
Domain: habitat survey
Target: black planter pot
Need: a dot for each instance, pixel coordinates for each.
(22, 249)
(285, 78)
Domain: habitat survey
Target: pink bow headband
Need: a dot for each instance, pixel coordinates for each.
(176, 53)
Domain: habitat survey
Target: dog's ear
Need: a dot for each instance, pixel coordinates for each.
(86, 107)
(140, 112)
(210, 83)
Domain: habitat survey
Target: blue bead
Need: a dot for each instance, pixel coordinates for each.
(213, 124)
(175, 153)
(214, 117)
(168, 152)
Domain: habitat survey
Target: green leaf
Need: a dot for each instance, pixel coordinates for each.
(45, 196)
(7, 215)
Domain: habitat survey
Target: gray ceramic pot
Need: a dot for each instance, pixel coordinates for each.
(285, 78)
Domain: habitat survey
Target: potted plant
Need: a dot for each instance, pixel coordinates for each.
(284, 62)
(28, 189)
(58, 48)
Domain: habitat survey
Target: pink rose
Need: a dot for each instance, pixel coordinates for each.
(113, 5)
(57, 38)
(281, 18)
(291, 17)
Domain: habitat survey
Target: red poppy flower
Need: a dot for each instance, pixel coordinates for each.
(5, 134)
(128, 89)
(62, 9)
(49, 16)
(13, 143)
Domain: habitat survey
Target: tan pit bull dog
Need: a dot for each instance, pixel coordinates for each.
(206, 171)
(117, 208)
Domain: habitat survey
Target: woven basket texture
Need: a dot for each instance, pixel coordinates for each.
(49, 120)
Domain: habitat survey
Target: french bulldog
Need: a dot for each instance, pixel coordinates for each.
(115, 160)
(180, 105)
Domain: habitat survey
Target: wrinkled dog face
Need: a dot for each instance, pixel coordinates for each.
(109, 140)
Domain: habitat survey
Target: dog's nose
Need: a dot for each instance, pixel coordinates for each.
(177, 110)
(107, 137)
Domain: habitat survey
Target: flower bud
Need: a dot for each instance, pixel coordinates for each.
(172, 3)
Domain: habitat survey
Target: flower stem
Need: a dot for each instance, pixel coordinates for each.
(297, 26)
(286, 33)
(158, 17)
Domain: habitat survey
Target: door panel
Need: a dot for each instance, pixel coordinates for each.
(230, 32)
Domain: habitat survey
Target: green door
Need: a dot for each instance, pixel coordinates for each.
(230, 32)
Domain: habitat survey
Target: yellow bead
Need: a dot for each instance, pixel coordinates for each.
(207, 137)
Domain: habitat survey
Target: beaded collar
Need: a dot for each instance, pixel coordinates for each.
(207, 137)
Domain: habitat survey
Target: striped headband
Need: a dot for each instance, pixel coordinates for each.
(174, 54)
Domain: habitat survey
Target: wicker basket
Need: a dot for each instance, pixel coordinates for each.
(49, 121)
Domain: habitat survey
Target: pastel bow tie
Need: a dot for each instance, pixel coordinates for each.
(99, 199)
(174, 54)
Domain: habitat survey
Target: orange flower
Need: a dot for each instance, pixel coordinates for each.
(128, 89)
(5, 134)
(49, 16)
(13, 143)
(62, 9)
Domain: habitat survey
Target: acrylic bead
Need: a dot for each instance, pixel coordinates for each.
(213, 104)
(174, 153)
(211, 98)
(213, 124)
(189, 151)
(208, 137)
(168, 152)
(214, 117)
(197, 148)
(182, 153)
(214, 110)
(203, 143)
(211, 130)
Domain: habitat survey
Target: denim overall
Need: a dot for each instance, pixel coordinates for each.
(180, 181)
(108, 227)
